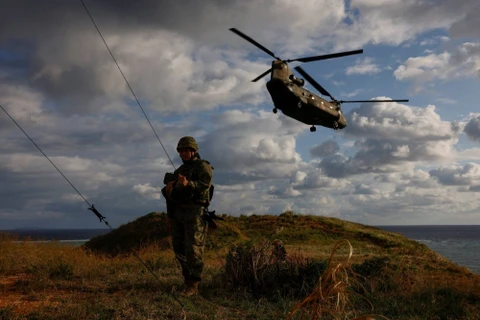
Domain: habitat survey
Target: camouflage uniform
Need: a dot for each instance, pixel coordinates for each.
(185, 207)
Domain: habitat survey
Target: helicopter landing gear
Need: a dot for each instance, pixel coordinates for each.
(335, 125)
(274, 110)
(313, 129)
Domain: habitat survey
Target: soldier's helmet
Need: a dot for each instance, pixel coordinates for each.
(187, 142)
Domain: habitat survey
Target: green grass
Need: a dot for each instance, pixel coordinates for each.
(398, 277)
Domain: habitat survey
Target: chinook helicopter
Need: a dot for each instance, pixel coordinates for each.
(289, 95)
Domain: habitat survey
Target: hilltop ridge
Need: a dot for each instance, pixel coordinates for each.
(293, 229)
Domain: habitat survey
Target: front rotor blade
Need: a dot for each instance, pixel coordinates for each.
(327, 56)
(356, 101)
(244, 36)
(262, 75)
(313, 82)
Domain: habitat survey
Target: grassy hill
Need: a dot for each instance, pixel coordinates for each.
(292, 229)
(334, 269)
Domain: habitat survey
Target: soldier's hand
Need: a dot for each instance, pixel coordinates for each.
(182, 180)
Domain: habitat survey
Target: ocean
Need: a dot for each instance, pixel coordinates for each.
(459, 244)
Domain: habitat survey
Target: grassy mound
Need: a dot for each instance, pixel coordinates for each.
(294, 230)
(144, 232)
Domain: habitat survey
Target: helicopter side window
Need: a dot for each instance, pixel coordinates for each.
(297, 81)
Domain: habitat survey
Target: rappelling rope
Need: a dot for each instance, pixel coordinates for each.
(128, 84)
(47, 157)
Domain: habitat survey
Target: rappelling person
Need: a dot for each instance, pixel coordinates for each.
(188, 193)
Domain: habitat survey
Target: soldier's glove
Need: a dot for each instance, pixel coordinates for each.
(169, 177)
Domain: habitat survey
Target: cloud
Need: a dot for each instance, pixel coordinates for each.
(470, 154)
(193, 76)
(392, 137)
(182, 57)
(393, 205)
(469, 175)
(147, 191)
(365, 189)
(253, 145)
(326, 148)
(363, 66)
(378, 21)
(176, 57)
(447, 101)
(463, 62)
(352, 94)
(316, 179)
(410, 180)
(287, 192)
(469, 26)
(472, 128)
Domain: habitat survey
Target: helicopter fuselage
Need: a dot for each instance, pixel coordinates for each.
(289, 96)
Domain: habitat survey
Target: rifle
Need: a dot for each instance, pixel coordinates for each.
(209, 216)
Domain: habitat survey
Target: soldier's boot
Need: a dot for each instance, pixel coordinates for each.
(191, 288)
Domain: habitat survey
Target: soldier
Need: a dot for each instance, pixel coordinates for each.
(188, 194)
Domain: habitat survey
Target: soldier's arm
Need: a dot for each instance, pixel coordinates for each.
(204, 180)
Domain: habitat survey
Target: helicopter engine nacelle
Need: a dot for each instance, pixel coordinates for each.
(297, 81)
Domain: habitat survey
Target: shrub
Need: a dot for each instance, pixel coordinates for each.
(262, 270)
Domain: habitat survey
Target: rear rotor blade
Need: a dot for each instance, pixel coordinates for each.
(262, 75)
(244, 36)
(327, 56)
(356, 101)
(313, 82)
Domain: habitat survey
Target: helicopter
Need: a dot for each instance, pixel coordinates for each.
(291, 97)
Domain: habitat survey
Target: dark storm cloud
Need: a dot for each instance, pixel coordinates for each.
(64, 57)
(57, 44)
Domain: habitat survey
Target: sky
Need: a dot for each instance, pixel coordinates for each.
(409, 163)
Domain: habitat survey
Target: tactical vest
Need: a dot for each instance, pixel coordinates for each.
(191, 172)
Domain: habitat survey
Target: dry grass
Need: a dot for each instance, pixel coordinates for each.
(331, 296)
(243, 280)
